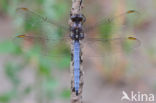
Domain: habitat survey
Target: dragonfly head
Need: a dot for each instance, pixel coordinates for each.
(77, 18)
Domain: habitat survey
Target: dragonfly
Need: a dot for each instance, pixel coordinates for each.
(77, 36)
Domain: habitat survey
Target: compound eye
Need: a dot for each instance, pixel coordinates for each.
(77, 18)
(81, 17)
(73, 17)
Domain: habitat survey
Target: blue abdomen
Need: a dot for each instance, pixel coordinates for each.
(76, 65)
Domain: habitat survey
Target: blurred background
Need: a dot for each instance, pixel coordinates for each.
(29, 73)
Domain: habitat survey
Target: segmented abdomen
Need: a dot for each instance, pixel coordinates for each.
(76, 65)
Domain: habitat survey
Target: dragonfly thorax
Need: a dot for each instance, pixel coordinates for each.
(76, 27)
(77, 36)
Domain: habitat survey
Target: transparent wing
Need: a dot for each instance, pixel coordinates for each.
(109, 20)
(35, 19)
(91, 47)
(100, 47)
(41, 34)
(50, 47)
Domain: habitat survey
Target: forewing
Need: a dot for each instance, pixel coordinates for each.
(109, 20)
(34, 19)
